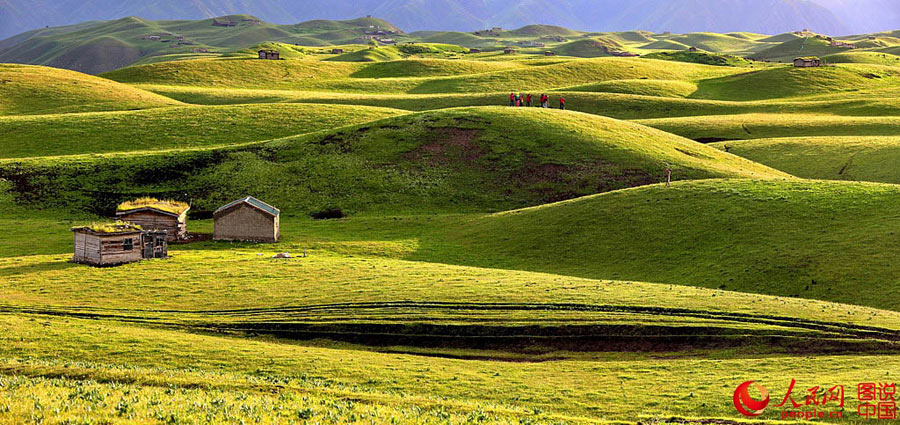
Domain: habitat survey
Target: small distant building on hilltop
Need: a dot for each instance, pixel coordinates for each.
(247, 219)
(808, 62)
(153, 214)
(267, 54)
(218, 23)
(337, 51)
(474, 50)
(842, 44)
(510, 51)
(117, 243)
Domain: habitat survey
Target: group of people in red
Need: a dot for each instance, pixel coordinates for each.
(516, 99)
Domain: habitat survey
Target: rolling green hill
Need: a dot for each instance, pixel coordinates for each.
(395, 52)
(795, 82)
(313, 75)
(184, 127)
(26, 89)
(869, 57)
(451, 160)
(802, 46)
(700, 57)
(589, 48)
(859, 158)
(104, 46)
(664, 88)
(808, 239)
(763, 126)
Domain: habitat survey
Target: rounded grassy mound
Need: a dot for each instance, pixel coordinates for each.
(763, 126)
(27, 89)
(784, 82)
(456, 160)
(663, 88)
(856, 158)
(183, 127)
(832, 241)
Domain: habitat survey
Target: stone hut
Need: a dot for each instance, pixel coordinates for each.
(273, 55)
(153, 214)
(809, 62)
(337, 51)
(117, 243)
(247, 219)
(474, 50)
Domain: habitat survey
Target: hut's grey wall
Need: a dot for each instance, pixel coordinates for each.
(245, 223)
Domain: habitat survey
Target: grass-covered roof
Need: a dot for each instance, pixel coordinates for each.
(114, 227)
(170, 206)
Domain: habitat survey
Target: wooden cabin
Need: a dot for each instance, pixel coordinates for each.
(117, 243)
(337, 51)
(247, 219)
(474, 50)
(809, 62)
(153, 214)
(272, 55)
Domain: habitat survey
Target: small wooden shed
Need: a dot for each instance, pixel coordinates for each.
(117, 243)
(269, 55)
(153, 214)
(247, 219)
(809, 62)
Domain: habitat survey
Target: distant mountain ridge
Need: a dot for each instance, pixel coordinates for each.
(761, 16)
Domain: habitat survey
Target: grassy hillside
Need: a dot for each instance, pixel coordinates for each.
(701, 58)
(804, 46)
(712, 42)
(808, 239)
(339, 77)
(859, 158)
(761, 126)
(451, 160)
(797, 82)
(172, 128)
(395, 52)
(665, 88)
(589, 48)
(875, 58)
(99, 47)
(28, 89)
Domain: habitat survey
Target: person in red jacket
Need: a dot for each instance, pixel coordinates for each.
(562, 103)
(528, 100)
(512, 99)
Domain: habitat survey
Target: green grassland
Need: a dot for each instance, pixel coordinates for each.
(761, 126)
(181, 127)
(104, 46)
(28, 89)
(417, 163)
(352, 77)
(494, 265)
(859, 158)
(581, 98)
